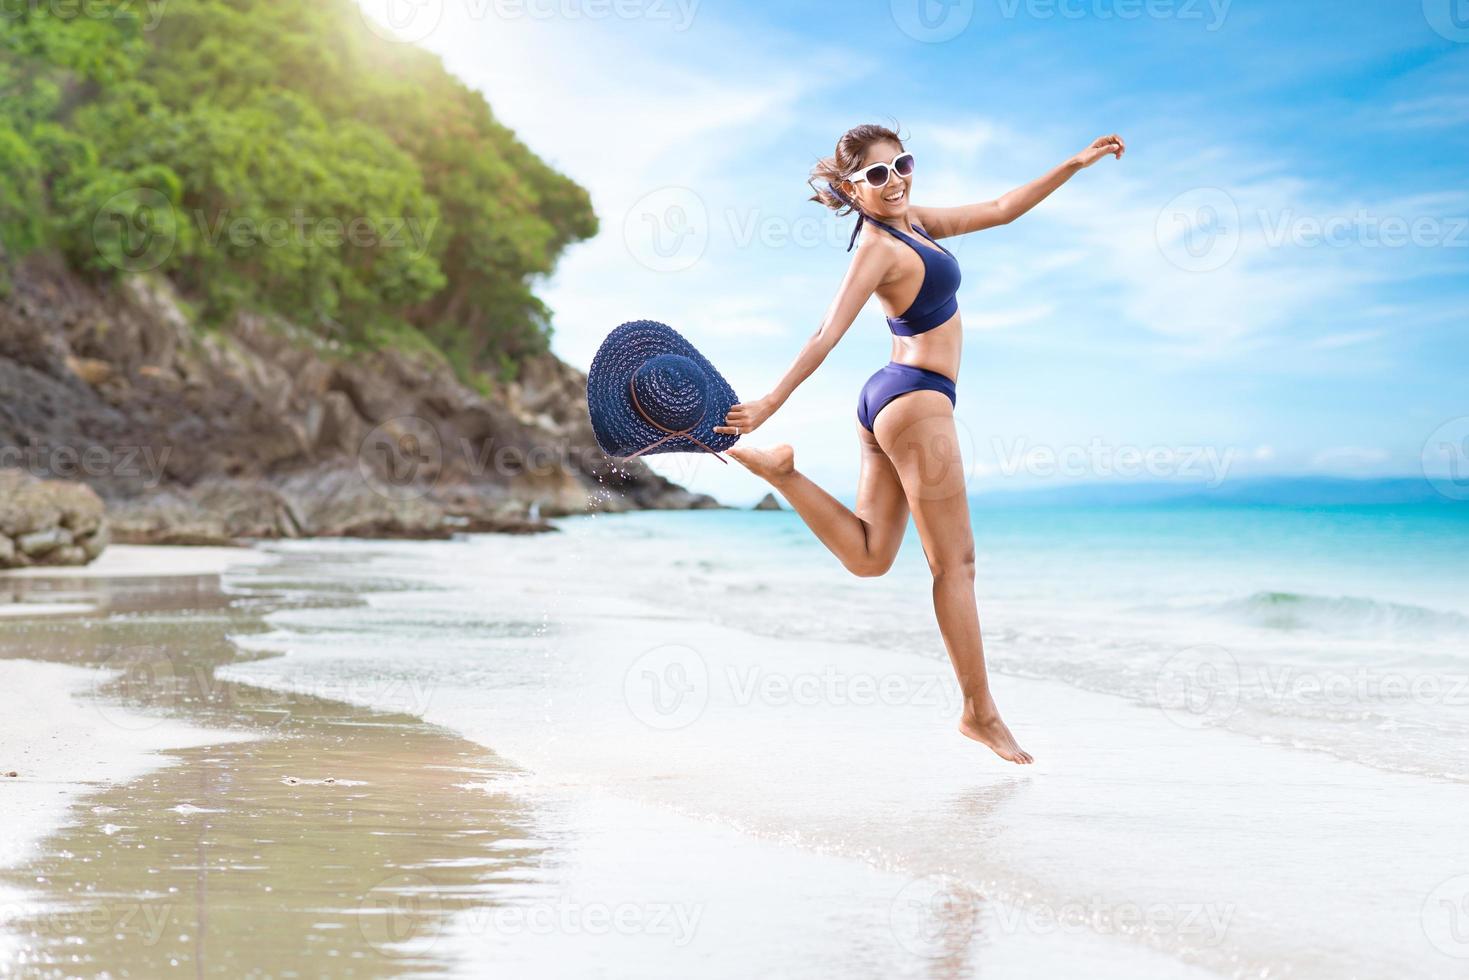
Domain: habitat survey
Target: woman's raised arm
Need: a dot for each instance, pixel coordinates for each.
(947, 222)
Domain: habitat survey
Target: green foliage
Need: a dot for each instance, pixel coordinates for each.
(20, 186)
(277, 155)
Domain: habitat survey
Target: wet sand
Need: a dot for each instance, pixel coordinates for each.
(310, 836)
(58, 744)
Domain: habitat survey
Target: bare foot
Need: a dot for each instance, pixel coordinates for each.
(985, 726)
(769, 464)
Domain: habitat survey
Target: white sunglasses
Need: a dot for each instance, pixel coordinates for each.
(878, 174)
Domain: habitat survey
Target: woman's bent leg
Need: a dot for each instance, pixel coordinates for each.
(865, 541)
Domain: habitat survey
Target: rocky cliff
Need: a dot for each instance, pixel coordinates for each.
(256, 428)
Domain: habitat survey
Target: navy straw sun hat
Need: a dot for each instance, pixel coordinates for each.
(650, 391)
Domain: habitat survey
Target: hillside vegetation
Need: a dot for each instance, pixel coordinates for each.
(277, 156)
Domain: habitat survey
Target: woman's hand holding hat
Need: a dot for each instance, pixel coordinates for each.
(746, 417)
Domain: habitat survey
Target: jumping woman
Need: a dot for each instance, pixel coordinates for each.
(905, 413)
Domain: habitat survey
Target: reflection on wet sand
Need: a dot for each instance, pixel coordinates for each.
(343, 841)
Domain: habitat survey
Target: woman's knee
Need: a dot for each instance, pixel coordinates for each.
(955, 564)
(870, 566)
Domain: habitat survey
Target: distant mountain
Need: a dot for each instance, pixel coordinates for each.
(1281, 491)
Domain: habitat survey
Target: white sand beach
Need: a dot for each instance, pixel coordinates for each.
(148, 560)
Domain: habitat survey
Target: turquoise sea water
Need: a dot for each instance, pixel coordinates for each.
(1306, 616)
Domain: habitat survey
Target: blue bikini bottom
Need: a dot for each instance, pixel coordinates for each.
(896, 379)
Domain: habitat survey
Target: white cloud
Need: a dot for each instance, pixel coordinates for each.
(1005, 319)
(740, 316)
(1430, 112)
(1351, 338)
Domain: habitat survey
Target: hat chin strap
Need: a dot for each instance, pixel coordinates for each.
(672, 433)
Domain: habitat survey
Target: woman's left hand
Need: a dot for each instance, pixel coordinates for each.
(746, 417)
(1102, 146)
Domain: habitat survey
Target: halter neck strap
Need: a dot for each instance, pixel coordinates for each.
(861, 215)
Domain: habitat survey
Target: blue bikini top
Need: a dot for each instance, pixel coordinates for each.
(937, 298)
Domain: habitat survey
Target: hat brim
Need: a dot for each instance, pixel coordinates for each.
(620, 430)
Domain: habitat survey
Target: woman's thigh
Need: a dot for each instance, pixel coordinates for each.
(917, 434)
(881, 502)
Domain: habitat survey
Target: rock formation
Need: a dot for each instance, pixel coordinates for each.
(768, 502)
(256, 428)
(48, 522)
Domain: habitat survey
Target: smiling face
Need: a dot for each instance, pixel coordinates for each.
(890, 201)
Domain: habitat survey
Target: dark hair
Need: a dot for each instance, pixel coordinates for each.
(850, 151)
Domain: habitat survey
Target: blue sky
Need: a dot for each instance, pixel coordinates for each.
(1274, 280)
